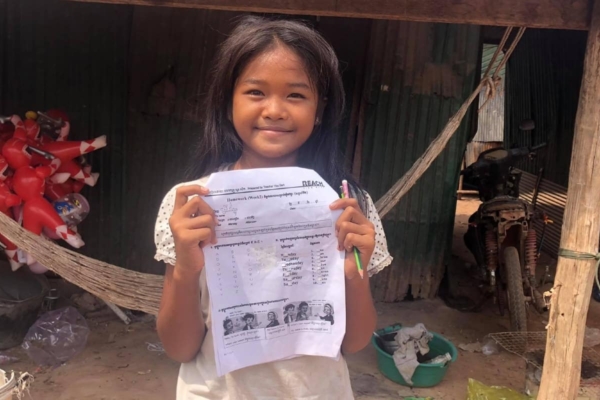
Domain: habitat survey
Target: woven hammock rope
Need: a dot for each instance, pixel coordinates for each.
(126, 288)
(140, 291)
(389, 200)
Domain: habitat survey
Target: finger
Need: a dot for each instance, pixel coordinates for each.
(196, 206)
(344, 203)
(364, 243)
(202, 221)
(351, 214)
(199, 222)
(184, 192)
(205, 209)
(190, 217)
(194, 236)
(347, 228)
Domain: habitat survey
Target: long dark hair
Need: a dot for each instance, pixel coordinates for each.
(252, 36)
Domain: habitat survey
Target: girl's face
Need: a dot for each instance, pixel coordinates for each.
(229, 326)
(304, 309)
(249, 321)
(271, 316)
(274, 108)
(327, 310)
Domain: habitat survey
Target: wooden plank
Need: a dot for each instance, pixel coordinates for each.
(568, 14)
(305, 7)
(581, 228)
(532, 13)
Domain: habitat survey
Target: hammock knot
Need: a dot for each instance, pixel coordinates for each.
(491, 84)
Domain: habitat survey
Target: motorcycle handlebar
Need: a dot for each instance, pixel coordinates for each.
(539, 146)
(514, 154)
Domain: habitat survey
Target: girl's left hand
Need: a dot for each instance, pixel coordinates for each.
(354, 230)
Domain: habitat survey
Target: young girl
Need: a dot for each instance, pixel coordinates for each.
(328, 310)
(289, 313)
(228, 326)
(302, 312)
(275, 100)
(248, 320)
(272, 317)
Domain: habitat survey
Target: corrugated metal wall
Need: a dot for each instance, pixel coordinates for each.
(551, 200)
(487, 54)
(164, 117)
(490, 125)
(137, 74)
(171, 52)
(418, 75)
(73, 56)
(543, 80)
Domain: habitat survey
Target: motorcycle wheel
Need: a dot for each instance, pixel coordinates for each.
(596, 292)
(516, 296)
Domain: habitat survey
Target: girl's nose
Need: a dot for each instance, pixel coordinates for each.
(274, 109)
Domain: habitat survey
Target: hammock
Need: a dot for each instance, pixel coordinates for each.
(126, 288)
(140, 291)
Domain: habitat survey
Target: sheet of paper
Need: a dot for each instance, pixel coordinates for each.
(275, 277)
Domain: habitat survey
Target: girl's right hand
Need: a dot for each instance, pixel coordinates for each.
(193, 226)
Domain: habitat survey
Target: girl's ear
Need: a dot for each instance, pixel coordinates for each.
(320, 111)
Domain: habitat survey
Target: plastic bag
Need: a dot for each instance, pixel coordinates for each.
(478, 391)
(6, 359)
(490, 346)
(56, 337)
(592, 337)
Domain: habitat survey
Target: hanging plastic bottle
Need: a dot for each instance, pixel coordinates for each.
(73, 208)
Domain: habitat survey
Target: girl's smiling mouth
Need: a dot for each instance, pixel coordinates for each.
(273, 131)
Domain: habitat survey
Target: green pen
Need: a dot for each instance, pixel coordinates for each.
(346, 193)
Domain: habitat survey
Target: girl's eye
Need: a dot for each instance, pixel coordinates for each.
(297, 96)
(254, 92)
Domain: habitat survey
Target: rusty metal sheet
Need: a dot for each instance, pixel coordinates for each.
(407, 102)
(490, 125)
(551, 199)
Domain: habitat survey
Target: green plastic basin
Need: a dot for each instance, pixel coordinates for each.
(426, 375)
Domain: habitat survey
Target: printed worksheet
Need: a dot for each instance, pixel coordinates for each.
(275, 276)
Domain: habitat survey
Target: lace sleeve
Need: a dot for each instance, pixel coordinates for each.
(381, 258)
(163, 238)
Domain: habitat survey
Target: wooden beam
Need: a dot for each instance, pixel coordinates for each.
(581, 228)
(563, 14)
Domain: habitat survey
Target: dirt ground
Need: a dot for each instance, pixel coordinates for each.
(117, 363)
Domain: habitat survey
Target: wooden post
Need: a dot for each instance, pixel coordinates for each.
(580, 232)
(553, 14)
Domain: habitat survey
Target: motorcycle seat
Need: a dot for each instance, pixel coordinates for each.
(504, 203)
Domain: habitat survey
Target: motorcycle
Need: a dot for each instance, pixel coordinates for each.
(596, 292)
(501, 234)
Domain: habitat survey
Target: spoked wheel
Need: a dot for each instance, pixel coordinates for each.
(596, 292)
(516, 296)
(501, 296)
